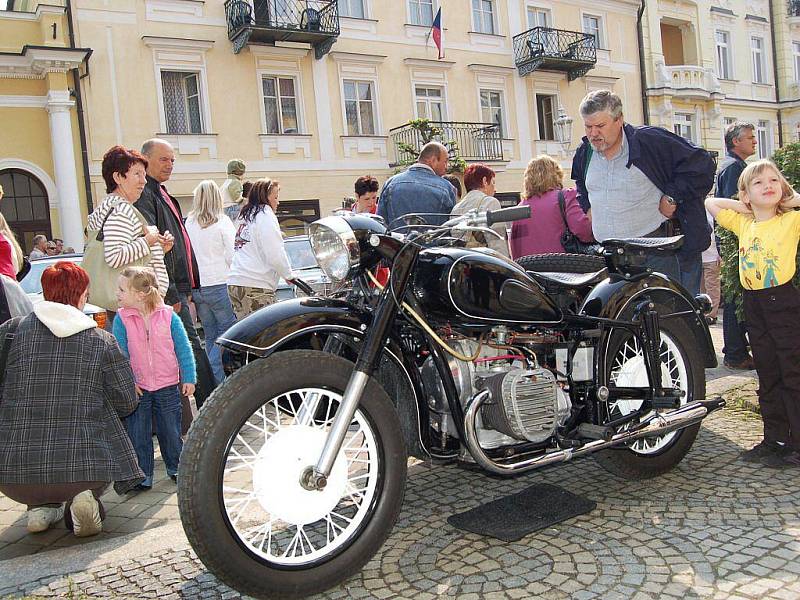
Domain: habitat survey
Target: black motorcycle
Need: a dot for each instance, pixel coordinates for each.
(292, 475)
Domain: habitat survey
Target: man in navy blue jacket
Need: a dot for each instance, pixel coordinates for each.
(634, 179)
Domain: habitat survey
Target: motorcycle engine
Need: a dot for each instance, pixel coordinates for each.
(527, 403)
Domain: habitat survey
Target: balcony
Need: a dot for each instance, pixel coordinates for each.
(314, 22)
(688, 81)
(549, 49)
(474, 142)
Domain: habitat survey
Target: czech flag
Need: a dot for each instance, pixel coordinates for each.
(436, 30)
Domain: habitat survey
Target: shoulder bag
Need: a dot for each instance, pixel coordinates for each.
(571, 242)
(102, 277)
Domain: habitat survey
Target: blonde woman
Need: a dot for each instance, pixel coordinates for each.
(212, 234)
(16, 252)
(541, 232)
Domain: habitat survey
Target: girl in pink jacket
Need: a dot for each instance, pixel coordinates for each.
(152, 336)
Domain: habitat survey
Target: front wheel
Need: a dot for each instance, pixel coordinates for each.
(244, 511)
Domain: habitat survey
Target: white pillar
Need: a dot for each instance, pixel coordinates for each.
(516, 26)
(323, 104)
(69, 212)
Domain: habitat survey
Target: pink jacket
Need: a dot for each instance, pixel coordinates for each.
(153, 359)
(541, 232)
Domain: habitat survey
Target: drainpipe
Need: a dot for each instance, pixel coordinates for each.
(642, 67)
(76, 78)
(775, 72)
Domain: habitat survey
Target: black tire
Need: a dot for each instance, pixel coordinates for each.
(562, 263)
(206, 464)
(629, 464)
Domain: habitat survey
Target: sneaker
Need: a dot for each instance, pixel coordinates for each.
(85, 513)
(174, 477)
(41, 517)
(761, 450)
(745, 364)
(782, 460)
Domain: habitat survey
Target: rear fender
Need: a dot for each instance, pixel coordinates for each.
(293, 323)
(617, 298)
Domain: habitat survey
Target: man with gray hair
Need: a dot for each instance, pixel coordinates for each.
(635, 179)
(740, 144)
(39, 247)
(419, 190)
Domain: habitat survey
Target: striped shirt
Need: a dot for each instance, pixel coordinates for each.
(124, 238)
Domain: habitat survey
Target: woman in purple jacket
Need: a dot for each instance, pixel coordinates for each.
(541, 232)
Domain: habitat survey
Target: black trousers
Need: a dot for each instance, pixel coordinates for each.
(205, 377)
(773, 325)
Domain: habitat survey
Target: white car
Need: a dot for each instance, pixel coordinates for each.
(304, 267)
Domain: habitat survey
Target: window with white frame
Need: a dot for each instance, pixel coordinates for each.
(352, 8)
(359, 107)
(593, 25)
(545, 115)
(724, 61)
(539, 17)
(796, 57)
(764, 139)
(483, 15)
(684, 126)
(726, 121)
(420, 12)
(429, 102)
(280, 104)
(492, 109)
(759, 64)
(182, 102)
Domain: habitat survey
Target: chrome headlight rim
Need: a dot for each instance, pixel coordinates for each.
(347, 237)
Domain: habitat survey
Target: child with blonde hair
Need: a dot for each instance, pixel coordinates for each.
(152, 336)
(768, 231)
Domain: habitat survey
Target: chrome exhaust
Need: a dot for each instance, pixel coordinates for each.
(655, 424)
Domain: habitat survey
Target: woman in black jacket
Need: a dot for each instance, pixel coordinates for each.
(66, 386)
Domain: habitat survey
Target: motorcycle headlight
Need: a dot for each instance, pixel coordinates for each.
(335, 247)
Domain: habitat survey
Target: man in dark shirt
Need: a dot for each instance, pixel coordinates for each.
(740, 143)
(161, 209)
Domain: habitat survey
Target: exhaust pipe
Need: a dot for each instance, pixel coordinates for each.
(655, 424)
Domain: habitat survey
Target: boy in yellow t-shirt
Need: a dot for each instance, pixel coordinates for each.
(768, 231)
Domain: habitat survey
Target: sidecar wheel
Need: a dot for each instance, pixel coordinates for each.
(242, 506)
(682, 365)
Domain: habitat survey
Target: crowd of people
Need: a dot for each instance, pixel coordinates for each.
(86, 420)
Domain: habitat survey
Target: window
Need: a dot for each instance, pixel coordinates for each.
(182, 105)
(796, 56)
(684, 126)
(757, 52)
(25, 206)
(726, 121)
(483, 16)
(539, 17)
(359, 107)
(594, 26)
(351, 8)
(492, 109)
(764, 139)
(546, 114)
(430, 103)
(724, 69)
(280, 104)
(421, 12)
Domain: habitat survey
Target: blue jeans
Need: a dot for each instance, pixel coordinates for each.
(233, 212)
(666, 264)
(216, 313)
(691, 268)
(165, 406)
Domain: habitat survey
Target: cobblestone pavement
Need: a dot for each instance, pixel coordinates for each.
(712, 528)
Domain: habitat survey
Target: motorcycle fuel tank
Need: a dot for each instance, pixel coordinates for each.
(478, 287)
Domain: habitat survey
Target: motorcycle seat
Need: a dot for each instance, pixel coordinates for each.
(647, 244)
(570, 280)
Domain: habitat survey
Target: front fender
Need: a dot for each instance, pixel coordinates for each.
(262, 332)
(615, 298)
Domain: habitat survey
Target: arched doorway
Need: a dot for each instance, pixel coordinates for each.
(25, 206)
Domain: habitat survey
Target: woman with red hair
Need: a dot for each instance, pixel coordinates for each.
(65, 387)
(479, 183)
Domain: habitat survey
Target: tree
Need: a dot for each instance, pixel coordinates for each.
(426, 132)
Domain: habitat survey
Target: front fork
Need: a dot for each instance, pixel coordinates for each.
(316, 477)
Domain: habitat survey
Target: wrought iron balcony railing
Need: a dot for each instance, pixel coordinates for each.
(551, 49)
(312, 21)
(474, 142)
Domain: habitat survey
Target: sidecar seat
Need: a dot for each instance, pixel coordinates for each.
(569, 280)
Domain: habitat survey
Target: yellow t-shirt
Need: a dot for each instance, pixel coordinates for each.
(767, 249)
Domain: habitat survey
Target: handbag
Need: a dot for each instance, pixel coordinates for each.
(572, 243)
(102, 277)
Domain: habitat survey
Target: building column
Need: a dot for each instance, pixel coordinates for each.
(63, 148)
(322, 102)
(520, 90)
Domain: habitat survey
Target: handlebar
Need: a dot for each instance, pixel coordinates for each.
(506, 215)
(303, 286)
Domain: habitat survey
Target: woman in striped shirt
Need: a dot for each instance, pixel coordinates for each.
(127, 236)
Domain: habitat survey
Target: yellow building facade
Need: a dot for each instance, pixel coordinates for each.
(712, 62)
(316, 94)
(40, 150)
